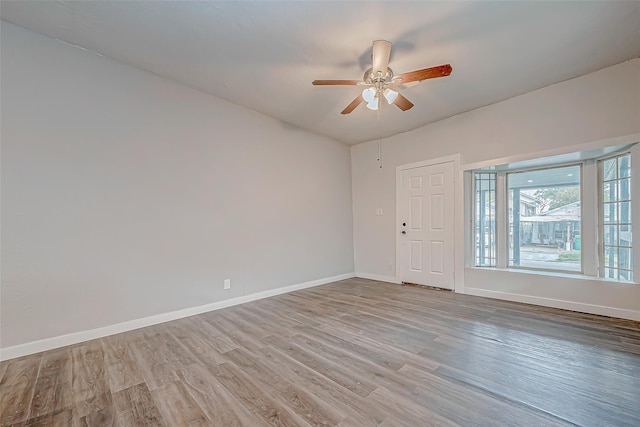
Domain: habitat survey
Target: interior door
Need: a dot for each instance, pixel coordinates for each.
(426, 209)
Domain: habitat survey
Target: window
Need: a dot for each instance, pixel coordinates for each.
(616, 252)
(485, 219)
(568, 213)
(544, 218)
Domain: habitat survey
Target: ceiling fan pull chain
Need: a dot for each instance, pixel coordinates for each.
(379, 138)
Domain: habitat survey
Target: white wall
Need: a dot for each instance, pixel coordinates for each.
(125, 195)
(585, 110)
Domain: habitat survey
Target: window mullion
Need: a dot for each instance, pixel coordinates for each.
(502, 233)
(590, 223)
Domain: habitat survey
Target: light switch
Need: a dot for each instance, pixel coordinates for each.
(379, 212)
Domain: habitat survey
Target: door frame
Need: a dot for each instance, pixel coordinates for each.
(458, 215)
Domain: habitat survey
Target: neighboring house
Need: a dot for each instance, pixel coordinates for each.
(529, 205)
(558, 227)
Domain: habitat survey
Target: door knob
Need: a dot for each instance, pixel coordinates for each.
(404, 232)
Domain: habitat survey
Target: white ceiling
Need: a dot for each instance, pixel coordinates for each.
(264, 55)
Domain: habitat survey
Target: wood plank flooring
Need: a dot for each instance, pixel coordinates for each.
(351, 353)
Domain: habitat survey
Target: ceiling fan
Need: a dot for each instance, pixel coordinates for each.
(380, 80)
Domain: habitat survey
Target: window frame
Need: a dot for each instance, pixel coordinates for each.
(495, 218)
(507, 224)
(591, 227)
(601, 224)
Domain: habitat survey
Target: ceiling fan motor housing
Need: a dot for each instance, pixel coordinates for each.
(371, 79)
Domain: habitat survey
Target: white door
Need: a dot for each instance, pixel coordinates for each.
(426, 206)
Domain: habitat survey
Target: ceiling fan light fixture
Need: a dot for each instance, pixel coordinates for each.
(390, 95)
(369, 94)
(373, 104)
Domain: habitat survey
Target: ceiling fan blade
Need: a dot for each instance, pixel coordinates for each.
(403, 103)
(359, 100)
(424, 74)
(381, 54)
(335, 82)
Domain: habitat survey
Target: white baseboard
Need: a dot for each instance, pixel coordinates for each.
(77, 337)
(555, 303)
(378, 277)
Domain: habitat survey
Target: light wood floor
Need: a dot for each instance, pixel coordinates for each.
(354, 353)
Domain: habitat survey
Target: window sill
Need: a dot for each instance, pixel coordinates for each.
(564, 274)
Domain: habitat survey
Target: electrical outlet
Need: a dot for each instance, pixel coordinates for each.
(227, 283)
